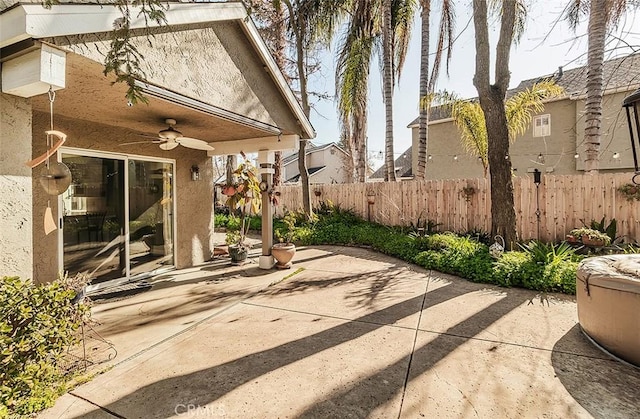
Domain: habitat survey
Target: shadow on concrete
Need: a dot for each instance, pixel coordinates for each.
(162, 397)
(357, 400)
(606, 388)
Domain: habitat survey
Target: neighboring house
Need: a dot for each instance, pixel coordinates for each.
(325, 164)
(403, 166)
(554, 141)
(132, 209)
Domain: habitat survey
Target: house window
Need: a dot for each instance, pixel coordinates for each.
(542, 125)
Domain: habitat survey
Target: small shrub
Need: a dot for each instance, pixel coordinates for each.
(37, 325)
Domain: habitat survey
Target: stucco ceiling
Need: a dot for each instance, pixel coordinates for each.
(90, 96)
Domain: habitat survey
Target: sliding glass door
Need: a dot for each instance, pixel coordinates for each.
(117, 223)
(150, 215)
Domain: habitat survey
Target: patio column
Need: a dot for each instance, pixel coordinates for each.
(16, 199)
(266, 160)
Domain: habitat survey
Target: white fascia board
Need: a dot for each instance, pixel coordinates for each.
(34, 21)
(254, 145)
(278, 77)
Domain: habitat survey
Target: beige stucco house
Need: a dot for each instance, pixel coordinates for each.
(554, 142)
(133, 209)
(325, 164)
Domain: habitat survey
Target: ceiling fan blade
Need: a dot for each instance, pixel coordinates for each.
(194, 143)
(169, 145)
(141, 142)
(154, 137)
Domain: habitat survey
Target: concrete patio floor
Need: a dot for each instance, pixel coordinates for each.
(355, 334)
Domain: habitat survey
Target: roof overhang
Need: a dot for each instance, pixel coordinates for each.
(33, 21)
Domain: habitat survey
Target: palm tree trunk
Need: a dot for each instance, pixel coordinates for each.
(424, 90)
(593, 103)
(298, 30)
(388, 88)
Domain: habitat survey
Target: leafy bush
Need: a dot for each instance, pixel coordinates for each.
(37, 324)
(457, 255)
(542, 267)
(328, 212)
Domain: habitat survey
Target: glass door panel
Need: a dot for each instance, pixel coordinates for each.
(150, 216)
(94, 218)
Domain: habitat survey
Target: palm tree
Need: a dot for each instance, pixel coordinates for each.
(427, 83)
(387, 82)
(519, 109)
(602, 15)
(492, 97)
(361, 37)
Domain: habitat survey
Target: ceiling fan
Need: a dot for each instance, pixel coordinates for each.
(170, 138)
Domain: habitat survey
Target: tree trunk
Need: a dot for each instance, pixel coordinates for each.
(424, 91)
(302, 77)
(492, 97)
(280, 46)
(593, 103)
(387, 82)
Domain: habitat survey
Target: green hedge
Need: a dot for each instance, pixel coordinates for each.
(450, 253)
(37, 325)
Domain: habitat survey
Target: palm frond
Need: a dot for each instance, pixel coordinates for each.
(521, 106)
(445, 36)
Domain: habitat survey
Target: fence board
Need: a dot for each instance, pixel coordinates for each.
(564, 202)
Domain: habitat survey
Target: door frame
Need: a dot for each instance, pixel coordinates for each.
(125, 158)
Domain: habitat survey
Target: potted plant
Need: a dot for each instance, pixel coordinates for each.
(591, 237)
(243, 199)
(284, 251)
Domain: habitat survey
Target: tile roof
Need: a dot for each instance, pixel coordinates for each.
(622, 72)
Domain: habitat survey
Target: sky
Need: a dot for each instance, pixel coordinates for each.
(548, 43)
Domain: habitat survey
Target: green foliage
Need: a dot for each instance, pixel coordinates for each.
(479, 235)
(457, 255)
(610, 229)
(542, 267)
(37, 325)
(423, 227)
(328, 212)
(287, 228)
(630, 191)
(548, 253)
(592, 234)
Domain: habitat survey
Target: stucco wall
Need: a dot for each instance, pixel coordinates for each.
(15, 186)
(558, 149)
(615, 134)
(194, 202)
(213, 64)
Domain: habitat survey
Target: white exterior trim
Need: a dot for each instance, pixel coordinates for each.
(26, 21)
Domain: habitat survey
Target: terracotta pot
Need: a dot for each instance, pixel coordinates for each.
(572, 239)
(587, 241)
(229, 191)
(283, 253)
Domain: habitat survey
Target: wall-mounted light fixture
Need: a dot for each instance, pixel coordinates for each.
(632, 105)
(195, 173)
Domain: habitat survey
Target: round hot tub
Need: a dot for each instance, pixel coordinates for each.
(608, 296)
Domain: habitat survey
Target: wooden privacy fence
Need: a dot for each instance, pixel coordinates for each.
(465, 204)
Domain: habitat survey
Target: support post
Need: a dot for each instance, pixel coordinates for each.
(266, 162)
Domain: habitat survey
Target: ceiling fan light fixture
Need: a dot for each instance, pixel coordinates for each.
(170, 133)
